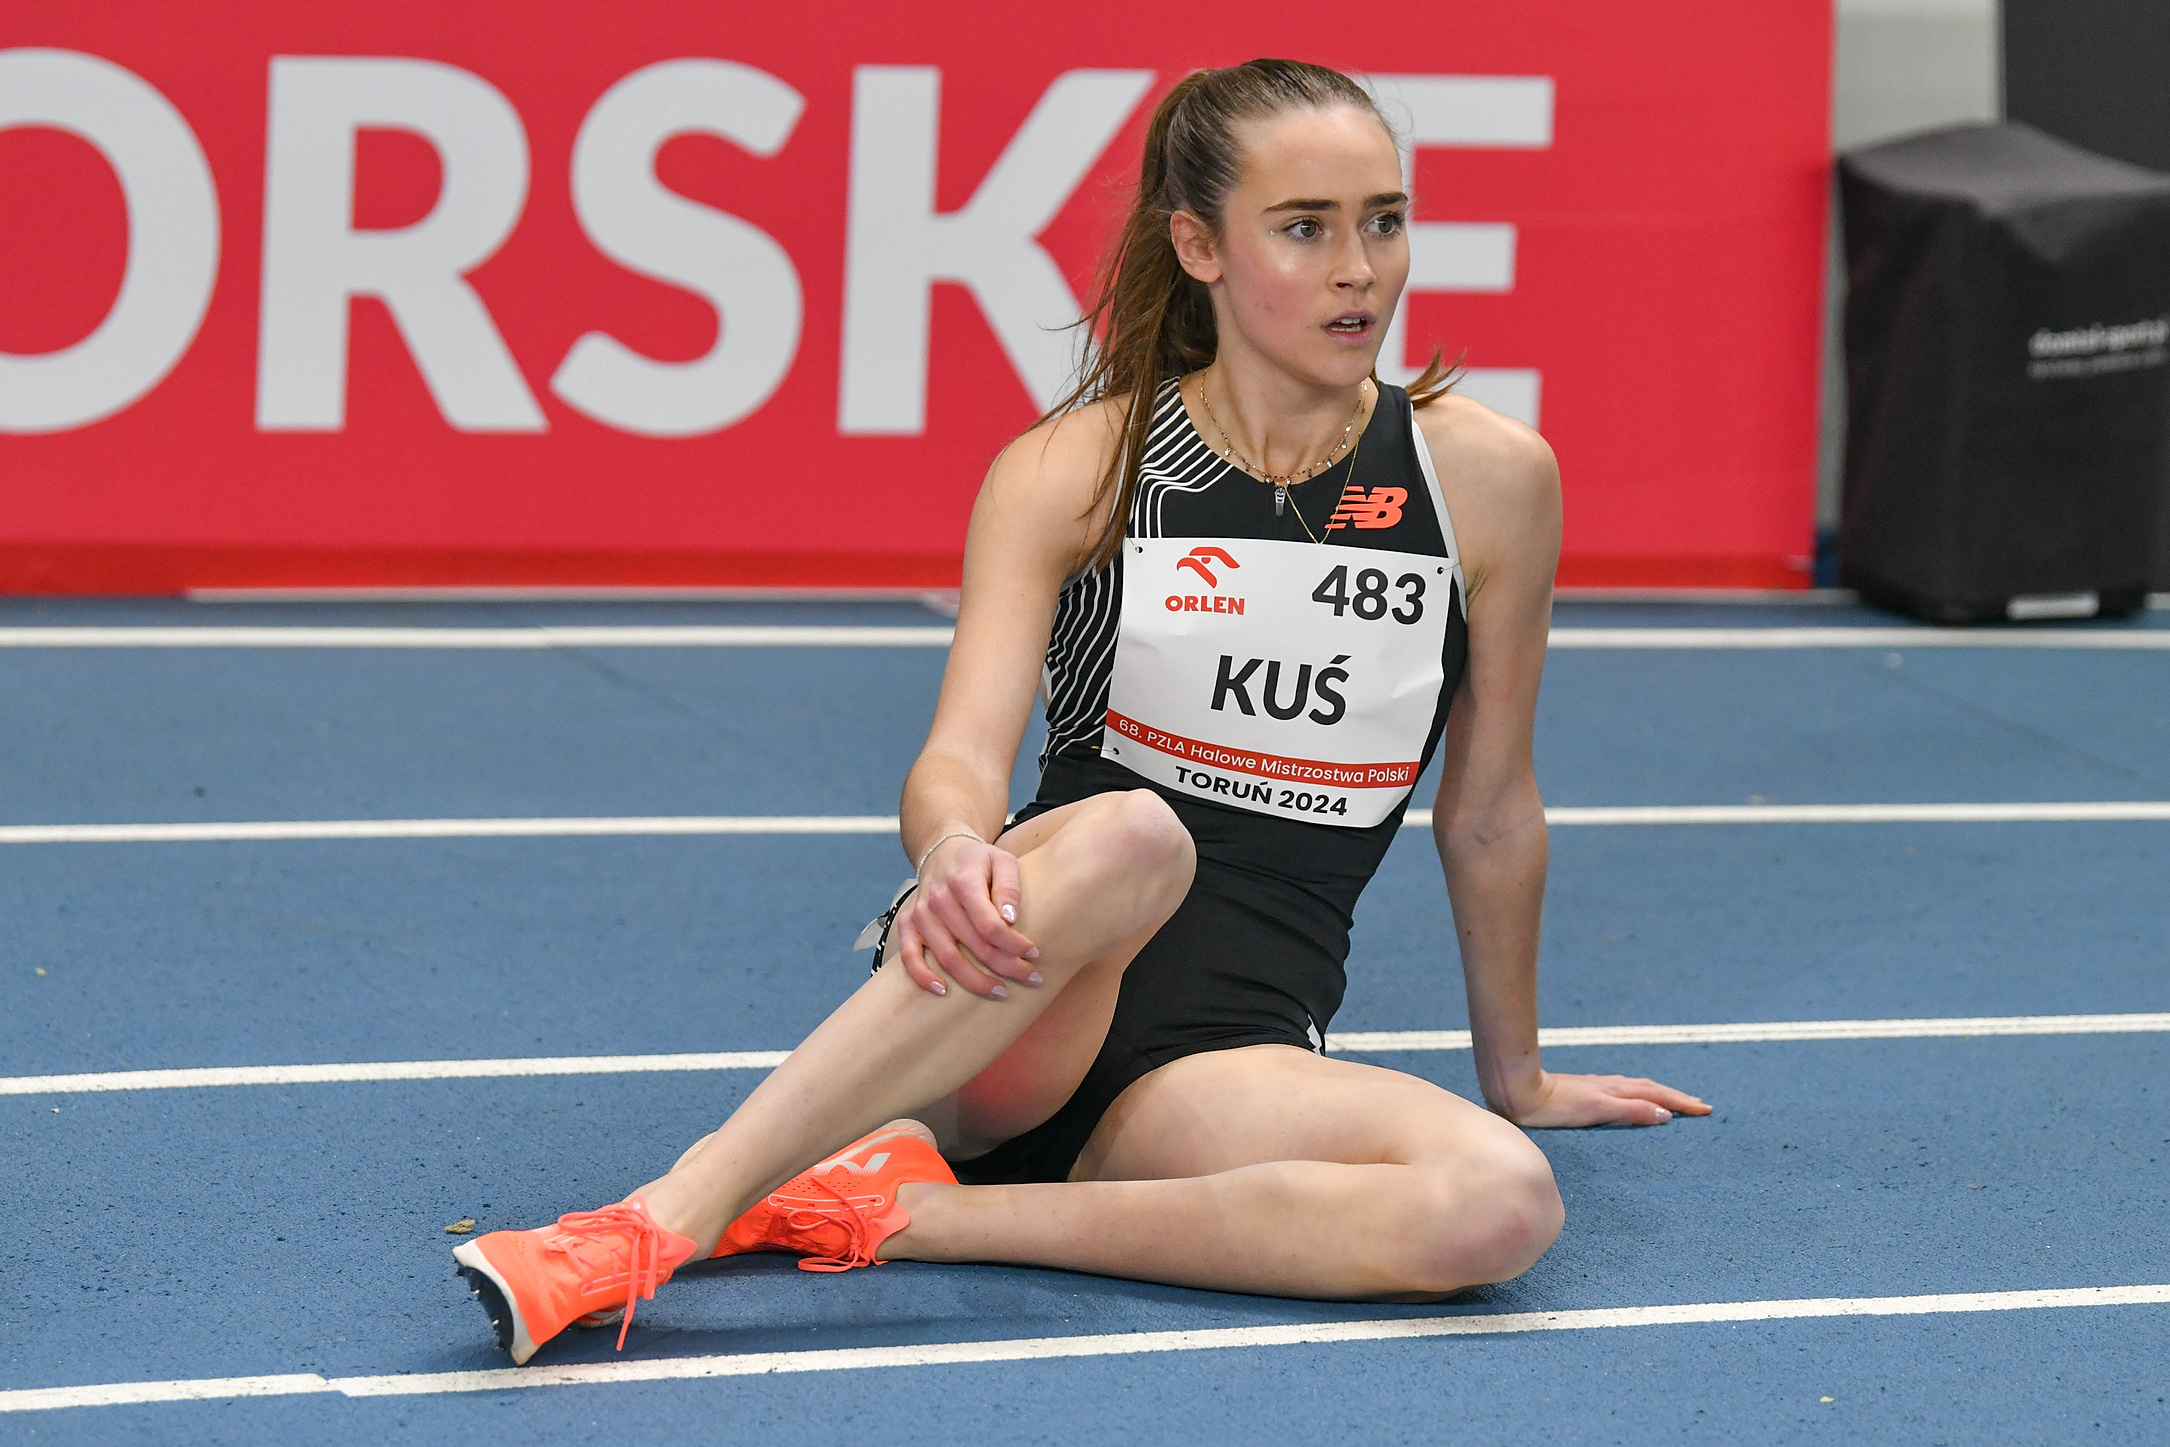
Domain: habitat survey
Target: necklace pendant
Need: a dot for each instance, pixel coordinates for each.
(1280, 498)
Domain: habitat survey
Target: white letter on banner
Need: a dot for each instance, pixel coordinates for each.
(899, 247)
(173, 238)
(735, 266)
(315, 260)
(1480, 112)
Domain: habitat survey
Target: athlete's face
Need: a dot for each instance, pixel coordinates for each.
(1314, 245)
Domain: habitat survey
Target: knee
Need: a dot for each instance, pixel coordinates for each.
(1521, 1217)
(1484, 1221)
(1149, 845)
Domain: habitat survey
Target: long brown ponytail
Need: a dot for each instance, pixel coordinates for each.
(1150, 320)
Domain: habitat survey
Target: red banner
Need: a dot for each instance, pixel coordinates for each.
(699, 294)
(1267, 766)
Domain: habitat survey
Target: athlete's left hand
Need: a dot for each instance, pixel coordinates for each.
(1568, 1101)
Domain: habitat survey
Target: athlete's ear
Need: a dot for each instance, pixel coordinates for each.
(1195, 247)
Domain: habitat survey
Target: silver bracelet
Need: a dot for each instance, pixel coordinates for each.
(937, 844)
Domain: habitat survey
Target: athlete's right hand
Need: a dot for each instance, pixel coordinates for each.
(960, 922)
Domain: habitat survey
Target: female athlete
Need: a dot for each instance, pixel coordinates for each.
(1259, 590)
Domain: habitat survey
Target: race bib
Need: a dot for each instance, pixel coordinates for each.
(1283, 678)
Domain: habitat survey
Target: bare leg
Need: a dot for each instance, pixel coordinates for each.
(1098, 886)
(1271, 1170)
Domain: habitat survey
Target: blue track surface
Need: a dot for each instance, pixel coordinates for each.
(252, 1230)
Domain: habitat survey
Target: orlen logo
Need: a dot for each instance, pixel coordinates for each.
(1202, 561)
(1197, 559)
(1379, 508)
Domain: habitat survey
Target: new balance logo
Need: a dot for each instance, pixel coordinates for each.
(1378, 508)
(871, 1168)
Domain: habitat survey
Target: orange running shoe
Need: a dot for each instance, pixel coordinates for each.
(838, 1213)
(536, 1283)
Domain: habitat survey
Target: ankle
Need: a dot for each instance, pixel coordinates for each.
(924, 1202)
(678, 1212)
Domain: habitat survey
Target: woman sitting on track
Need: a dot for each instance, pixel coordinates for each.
(1231, 551)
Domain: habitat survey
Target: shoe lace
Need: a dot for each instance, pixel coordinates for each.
(852, 1218)
(643, 1240)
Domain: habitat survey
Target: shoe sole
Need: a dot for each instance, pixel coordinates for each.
(497, 1299)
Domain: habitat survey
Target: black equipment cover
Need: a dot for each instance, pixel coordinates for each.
(2008, 373)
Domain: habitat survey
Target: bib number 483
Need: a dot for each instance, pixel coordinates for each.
(1370, 600)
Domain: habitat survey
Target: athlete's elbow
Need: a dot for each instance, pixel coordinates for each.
(1487, 833)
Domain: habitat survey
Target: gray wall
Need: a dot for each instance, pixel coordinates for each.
(1908, 65)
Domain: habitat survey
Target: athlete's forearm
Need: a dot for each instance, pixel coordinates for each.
(945, 794)
(1496, 884)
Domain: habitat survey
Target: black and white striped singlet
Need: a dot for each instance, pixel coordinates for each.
(1255, 953)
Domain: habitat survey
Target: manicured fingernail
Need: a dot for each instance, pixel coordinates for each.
(939, 988)
(1033, 953)
(1664, 1115)
(1034, 978)
(999, 993)
(1009, 913)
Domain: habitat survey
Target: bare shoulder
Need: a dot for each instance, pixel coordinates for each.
(1059, 463)
(1039, 495)
(1033, 527)
(1502, 487)
(1488, 453)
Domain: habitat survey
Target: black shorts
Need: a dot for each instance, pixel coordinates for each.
(1253, 956)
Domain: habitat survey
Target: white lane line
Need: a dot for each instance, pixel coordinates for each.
(273, 830)
(612, 636)
(1932, 1029)
(1560, 1037)
(1892, 638)
(712, 636)
(603, 593)
(2083, 812)
(372, 1070)
(128, 1394)
(292, 829)
(1055, 1348)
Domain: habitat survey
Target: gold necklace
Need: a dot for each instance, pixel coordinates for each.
(1339, 497)
(1282, 482)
